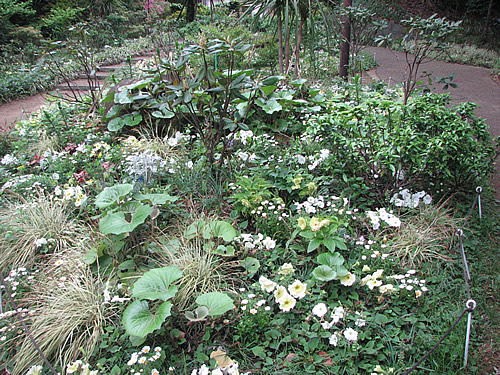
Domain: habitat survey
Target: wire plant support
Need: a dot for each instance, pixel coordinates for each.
(471, 304)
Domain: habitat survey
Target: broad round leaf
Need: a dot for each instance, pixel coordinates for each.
(216, 302)
(118, 223)
(197, 315)
(324, 273)
(139, 321)
(112, 195)
(156, 284)
(330, 259)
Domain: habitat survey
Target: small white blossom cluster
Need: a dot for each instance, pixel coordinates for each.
(144, 357)
(255, 242)
(245, 156)
(373, 281)
(285, 297)
(231, 369)
(367, 244)
(382, 215)
(406, 199)
(144, 164)
(320, 310)
(378, 370)
(244, 136)
(274, 207)
(176, 139)
(83, 367)
(254, 303)
(116, 298)
(312, 161)
(409, 282)
(330, 204)
(8, 160)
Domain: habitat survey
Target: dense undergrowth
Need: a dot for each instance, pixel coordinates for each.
(226, 221)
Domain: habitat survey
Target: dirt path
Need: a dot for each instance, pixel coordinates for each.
(475, 84)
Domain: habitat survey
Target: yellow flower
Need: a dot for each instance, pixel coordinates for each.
(311, 188)
(302, 223)
(267, 284)
(285, 269)
(315, 224)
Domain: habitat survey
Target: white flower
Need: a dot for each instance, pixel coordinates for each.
(287, 302)
(268, 243)
(351, 335)
(301, 159)
(334, 339)
(427, 199)
(286, 269)
(320, 310)
(35, 370)
(217, 371)
(280, 293)
(266, 284)
(348, 279)
(203, 370)
(298, 289)
(40, 242)
(73, 367)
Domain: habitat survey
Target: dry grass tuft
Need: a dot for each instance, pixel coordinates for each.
(70, 313)
(424, 237)
(25, 224)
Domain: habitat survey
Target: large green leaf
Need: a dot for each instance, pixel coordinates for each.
(123, 97)
(216, 302)
(221, 229)
(139, 321)
(272, 106)
(330, 259)
(124, 222)
(156, 198)
(112, 195)
(156, 284)
(324, 273)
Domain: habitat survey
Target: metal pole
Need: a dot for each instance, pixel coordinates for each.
(471, 306)
(479, 190)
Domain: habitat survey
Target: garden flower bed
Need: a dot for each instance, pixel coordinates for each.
(237, 224)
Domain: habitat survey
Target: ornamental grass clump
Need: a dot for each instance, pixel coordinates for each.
(202, 272)
(41, 225)
(70, 315)
(424, 237)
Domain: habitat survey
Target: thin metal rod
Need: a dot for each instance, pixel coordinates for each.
(467, 339)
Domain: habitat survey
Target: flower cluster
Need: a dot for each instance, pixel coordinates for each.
(313, 161)
(71, 194)
(351, 335)
(286, 298)
(406, 199)
(409, 282)
(329, 204)
(145, 359)
(382, 215)
(255, 242)
(231, 369)
(80, 368)
(268, 208)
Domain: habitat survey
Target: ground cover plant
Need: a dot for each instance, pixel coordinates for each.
(214, 218)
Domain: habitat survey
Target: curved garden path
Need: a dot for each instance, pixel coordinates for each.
(475, 84)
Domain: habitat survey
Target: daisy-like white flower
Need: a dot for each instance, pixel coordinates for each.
(351, 335)
(320, 310)
(298, 289)
(253, 311)
(348, 279)
(142, 360)
(267, 284)
(287, 303)
(155, 372)
(157, 349)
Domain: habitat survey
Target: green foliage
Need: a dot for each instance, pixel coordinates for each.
(138, 319)
(58, 21)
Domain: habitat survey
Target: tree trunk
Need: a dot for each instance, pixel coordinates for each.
(280, 42)
(488, 18)
(297, 48)
(191, 10)
(344, 43)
